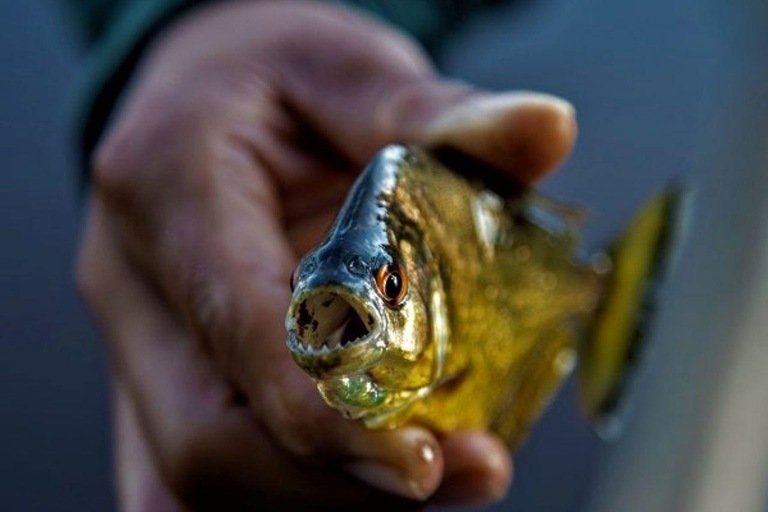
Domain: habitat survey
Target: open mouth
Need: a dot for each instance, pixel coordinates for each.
(326, 323)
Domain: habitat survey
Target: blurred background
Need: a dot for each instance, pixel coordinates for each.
(663, 88)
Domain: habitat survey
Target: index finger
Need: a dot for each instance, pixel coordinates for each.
(210, 451)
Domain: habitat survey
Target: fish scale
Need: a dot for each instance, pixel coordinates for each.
(501, 309)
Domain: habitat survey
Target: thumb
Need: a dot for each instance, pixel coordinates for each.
(526, 134)
(377, 87)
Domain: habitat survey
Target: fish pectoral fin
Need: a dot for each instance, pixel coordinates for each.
(531, 388)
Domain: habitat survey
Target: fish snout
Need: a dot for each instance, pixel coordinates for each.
(331, 330)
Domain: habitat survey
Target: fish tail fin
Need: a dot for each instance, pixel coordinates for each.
(638, 262)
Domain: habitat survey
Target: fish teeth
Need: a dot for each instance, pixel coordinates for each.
(327, 348)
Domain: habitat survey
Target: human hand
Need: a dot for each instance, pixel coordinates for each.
(228, 159)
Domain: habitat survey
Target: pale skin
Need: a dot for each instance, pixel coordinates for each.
(227, 160)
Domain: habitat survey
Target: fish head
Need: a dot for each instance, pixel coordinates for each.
(359, 318)
(356, 323)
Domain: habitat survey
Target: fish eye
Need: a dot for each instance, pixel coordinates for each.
(294, 277)
(392, 283)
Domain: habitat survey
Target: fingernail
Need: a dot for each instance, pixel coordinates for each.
(386, 479)
(427, 453)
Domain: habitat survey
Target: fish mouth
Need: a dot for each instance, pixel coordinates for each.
(330, 331)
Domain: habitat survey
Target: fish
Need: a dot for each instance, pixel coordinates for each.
(448, 296)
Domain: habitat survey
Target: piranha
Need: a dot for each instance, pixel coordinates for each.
(447, 297)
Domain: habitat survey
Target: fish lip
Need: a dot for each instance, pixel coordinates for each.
(340, 359)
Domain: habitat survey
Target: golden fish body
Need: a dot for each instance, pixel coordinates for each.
(439, 301)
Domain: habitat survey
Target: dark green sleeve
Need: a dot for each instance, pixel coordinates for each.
(117, 31)
(426, 19)
(90, 15)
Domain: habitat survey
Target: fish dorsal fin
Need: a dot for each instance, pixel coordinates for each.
(572, 214)
(550, 215)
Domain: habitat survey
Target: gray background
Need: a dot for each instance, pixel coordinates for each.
(647, 79)
(54, 442)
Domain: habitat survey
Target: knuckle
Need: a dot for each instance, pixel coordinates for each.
(113, 161)
(154, 144)
(207, 301)
(216, 315)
